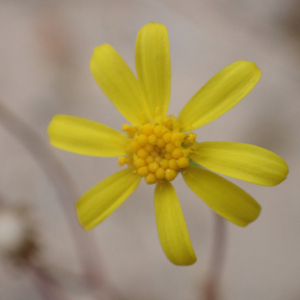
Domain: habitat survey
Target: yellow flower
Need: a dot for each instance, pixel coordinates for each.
(157, 146)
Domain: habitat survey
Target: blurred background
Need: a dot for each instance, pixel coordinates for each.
(45, 48)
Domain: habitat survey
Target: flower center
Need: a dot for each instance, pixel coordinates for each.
(158, 150)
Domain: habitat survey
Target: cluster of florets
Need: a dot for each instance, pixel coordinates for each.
(158, 150)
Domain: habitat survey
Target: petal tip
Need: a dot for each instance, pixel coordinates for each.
(82, 221)
(51, 129)
(187, 262)
(187, 259)
(153, 24)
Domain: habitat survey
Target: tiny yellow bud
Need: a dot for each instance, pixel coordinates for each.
(170, 147)
(128, 129)
(170, 174)
(164, 163)
(148, 128)
(152, 139)
(176, 153)
(135, 146)
(158, 158)
(177, 137)
(160, 173)
(123, 160)
(191, 138)
(159, 130)
(149, 159)
(168, 156)
(151, 178)
(142, 140)
(139, 162)
(149, 148)
(160, 142)
(153, 166)
(167, 137)
(173, 164)
(163, 151)
(183, 162)
(143, 171)
(154, 153)
(142, 153)
(186, 151)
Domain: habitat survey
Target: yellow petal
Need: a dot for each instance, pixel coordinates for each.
(220, 94)
(242, 161)
(224, 197)
(172, 230)
(152, 59)
(118, 83)
(101, 200)
(86, 137)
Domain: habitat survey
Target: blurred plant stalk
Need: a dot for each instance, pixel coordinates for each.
(66, 192)
(211, 288)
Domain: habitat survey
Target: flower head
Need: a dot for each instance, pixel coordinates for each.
(156, 146)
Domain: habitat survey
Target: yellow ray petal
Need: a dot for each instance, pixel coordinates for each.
(152, 58)
(85, 137)
(172, 230)
(105, 197)
(118, 83)
(242, 161)
(220, 94)
(224, 197)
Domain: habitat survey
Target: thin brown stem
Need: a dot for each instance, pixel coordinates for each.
(212, 282)
(47, 286)
(65, 189)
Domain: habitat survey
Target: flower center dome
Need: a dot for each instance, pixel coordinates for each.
(158, 150)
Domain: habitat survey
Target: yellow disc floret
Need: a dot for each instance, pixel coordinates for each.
(158, 150)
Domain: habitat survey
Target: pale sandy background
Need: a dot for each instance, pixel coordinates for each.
(45, 48)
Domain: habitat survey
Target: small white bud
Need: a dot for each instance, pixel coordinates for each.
(17, 237)
(12, 231)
